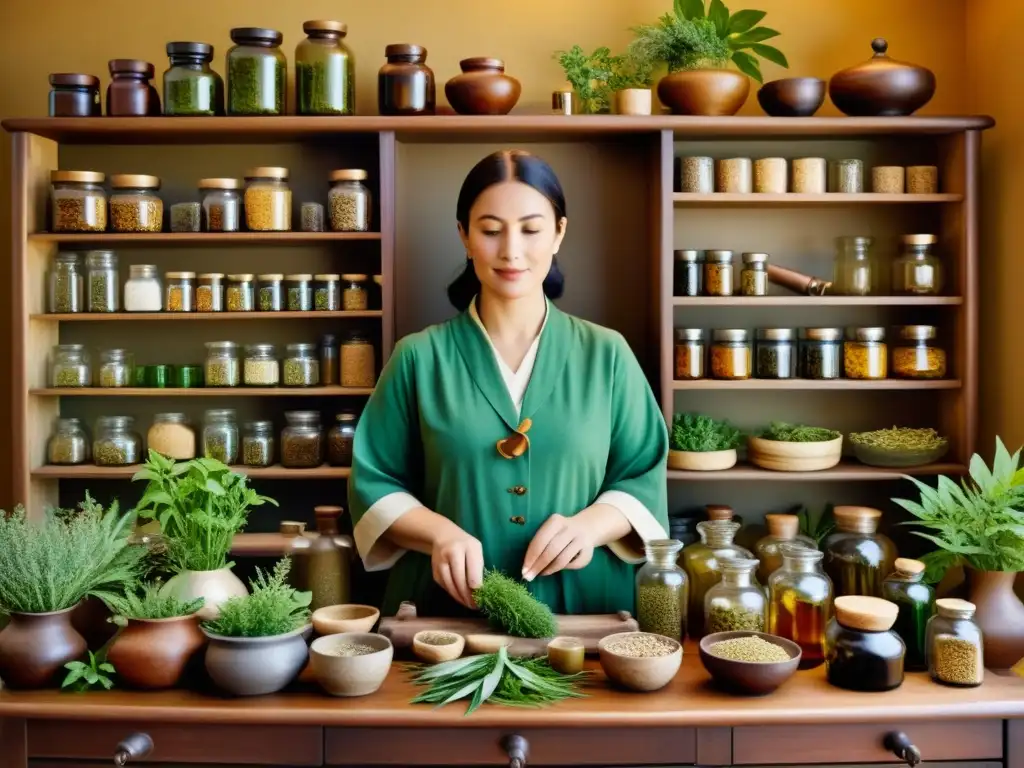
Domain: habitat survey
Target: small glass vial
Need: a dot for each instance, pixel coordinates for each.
(180, 292)
(662, 590)
(210, 292)
(862, 652)
(186, 217)
(268, 200)
(754, 275)
(854, 272)
(135, 205)
(340, 439)
(172, 436)
(270, 295)
(261, 368)
(954, 642)
(117, 444)
(222, 205)
(730, 354)
(782, 530)
(299, 290)
(917, 271)
(689, 354)
(354, 297)
(358, 362)
(329, 360)
(311, 217)
(301, 366)
(258, 444)
(143, 291)
(566, 655)
(66, 285)
(349, 201)
(687, 275)
(69, 443)
(916, 602)
(916, 355)
(220, 436)
(865, 355)
(800, 602)
(846, 176)
(240, 294)
(302, 445)
(70, 366)
(718, 273)
(821, 353)
(221, 368)
(104, 291)
(116, 369)
(775, 353)
(78, 201)
(737, 602)
(327, 293)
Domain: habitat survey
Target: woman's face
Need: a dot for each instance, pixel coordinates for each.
(512, 237)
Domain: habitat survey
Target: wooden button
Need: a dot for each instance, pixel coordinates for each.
(518, 520)
(518, 490)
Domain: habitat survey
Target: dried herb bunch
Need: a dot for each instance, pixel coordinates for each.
(899, 439)
(697, 433)
(147, 602)
(272, 608)
(798, 433)
(510, 607)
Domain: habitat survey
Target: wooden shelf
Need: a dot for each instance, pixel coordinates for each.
(201, 238)
(103, 317)
(201, 391)
(816, 384)
(275, 472)
(817, 301)
(263, 544)
(792, 198)
(843, 472)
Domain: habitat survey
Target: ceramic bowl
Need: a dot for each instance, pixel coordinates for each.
(350, 675)
(349, 617)
(881, 457)
(792, 96)
(702, 461)
(639, 673)
(782, 456)
(433, 646)
(752, 678)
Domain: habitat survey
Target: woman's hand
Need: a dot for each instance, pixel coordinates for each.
(560, 543)
(457, 560)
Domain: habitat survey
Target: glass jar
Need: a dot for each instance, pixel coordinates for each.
(311, 216)
(78, 201)
(131, 92)
(180, 292)
(143, 291)
(116, 369)
(104, 283)
(74, 95)
(916, 602)
(321, 564)
(846, 176)
(917, 271)
(222, 205)
(689, 352)
(916, 356)
(821, 353)
(775, 353)
(70, 366)
(737, 602)
(687, 275)
(134, 204)
(302, 440)
(299, 292)
(862, 653)
(358, 362)
(954, 642)
(405, 84)
(865, 354)
(327, 293)
(186, 217)
(857, 556)
(260, 368)
(703, 565)
(191, 87)
(329, 360)
(66, 285)
(258, 444)
(349, 201)
(754, 275)
(355, 297)
(301, 366)
(221, 368)
(800, 602)
(210, 292)
(256, 72)
(268, 200)
(240, 294)
(662, 590)
(782, 530)
(172, 436)
(325, 75)
(718, 273)
(220, 436)
(69, 443)
(730, 354)
(117, 444)
(854, 272)
(340, 439)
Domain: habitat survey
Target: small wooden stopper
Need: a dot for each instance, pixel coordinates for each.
(955, 608)
(909, 566)
(782, 526)
(292, 528)
(856, 519)
(868, 614)
(719, 512)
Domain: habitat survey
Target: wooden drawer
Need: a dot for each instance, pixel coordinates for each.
(954, 740)
(486, 746)
(251, 744)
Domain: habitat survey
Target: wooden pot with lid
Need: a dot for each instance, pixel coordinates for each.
(882, 86)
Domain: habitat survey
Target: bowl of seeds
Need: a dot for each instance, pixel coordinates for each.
(898, 447)
(433, 647)
(350, 663)
(640, 661)
(750, 663)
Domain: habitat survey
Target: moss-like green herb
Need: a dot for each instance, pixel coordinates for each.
(248, 92)
(698, 433)
(321, 90)
(798, 433)
(510, 607)
(272, 608)
(149, 603)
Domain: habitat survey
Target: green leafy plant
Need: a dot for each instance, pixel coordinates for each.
(588, 74)
(798, 433)
(817, 526)
(200, 506)
(148, 603)
(88, 675)
(978, 523)
(272, 608)
(53, 563)
(510, 607)
(695, 432)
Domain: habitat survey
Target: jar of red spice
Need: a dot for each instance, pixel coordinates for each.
(131, 92)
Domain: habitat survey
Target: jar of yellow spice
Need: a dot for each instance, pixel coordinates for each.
(730, 354)
(718, 273)
(268, 200)
(917, 356)
(865, 355)
(358, 362)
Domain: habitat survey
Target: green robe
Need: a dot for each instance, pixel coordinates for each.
(431, 426)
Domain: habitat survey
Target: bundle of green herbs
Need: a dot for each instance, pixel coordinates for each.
(798, 433)
(510, 607)
(148, 602)
(899, 439)
(594, 77)
(697, 433)
(273, 607)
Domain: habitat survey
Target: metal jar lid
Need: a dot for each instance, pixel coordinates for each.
(822, 334)
(755, 258)
(263, 350)
(775, 334)
(689, 334)
(219, 414)
(866, 334)
(181, 275)
(721, 257)
(917, 332)
(203, 50)
(256, 36)
(729, 334)
(301, 349)
(331, 27)
(686, 254)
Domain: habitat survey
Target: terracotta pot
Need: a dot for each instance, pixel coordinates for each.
(34, 647)
(1000, 615)
(254, 666)
(156, 653)
(483, 88)
(707, 92)
(215, 587)
(633, 101)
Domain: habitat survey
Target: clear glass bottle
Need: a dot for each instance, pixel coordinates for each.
(358, 362)
(857, 556)
(270, 295)
(662, 590)
(258, 444)
(917, 271)
(329, 367)
(855, 272)
(821, 353)
(116, 369)
(302, 444)
(687, 276)
(340, 439)
(730, 354)
(782, 530)
(268, 200)
(261, 368)
(104, 285)
(325, 75)
(954, 643)
(916, 355)
(718, 273)
(172, 436)
(135, 205)
(143, 291)
(299, 292)
(181, 296)
(69, 366)
(862, 653)
(916, 602)
(800, 602)
(69, 443)
(117, 444)
(327, 293)
(66, 285)
(754, 275)
(737, 602)
(865, 354)
(355, 296)
(222, 205)
(78, 201)
(240, 294)
(349, 201)
(703, 565)
(220, 436)
(257, 72)
(191, 87)
(689, 353)
(221, 368)
(301, 366)
(775, 353)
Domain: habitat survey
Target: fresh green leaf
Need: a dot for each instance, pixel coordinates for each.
(756, 35)
(689, 9)
(771, 53)
(719, 14)
(272, 608)
(151, 602)
(741, 21)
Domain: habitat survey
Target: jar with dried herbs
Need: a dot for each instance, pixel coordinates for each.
(702, 562)
(355, 296)
(143, 291)
(256, 73)
(191, 87)
(186, 217)
(718, 273)
(687, 274)
(268, 200)
(754, 275)
(117, 444)
(865, 354)
(327, 293)
(857, 556)
(258, 444)
(210, 292)
(349, 201)
(662, 590)
(135, 205)
(222, 204)
(69, 366)
(917, 271)
(301, 366)
(324, 71)
(340, 439)
(116, 369)
(221, 368)
(855, 272)
(954, 641)
(172, 436)
(730, 354)
(775, 353)
(66, 284)
(180, 287)
(78, 201)
(358, 362)
(311, 217)
(240, 294)
(302, 440)
(261, 368)
(800, 602)
(916, 355)
(821, 353)
(737, 602)
(328, 359)
(69, 443)
(220, 436)
(299, 291)
(270, 295)
(689, 353)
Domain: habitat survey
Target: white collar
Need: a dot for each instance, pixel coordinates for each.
(515, 381)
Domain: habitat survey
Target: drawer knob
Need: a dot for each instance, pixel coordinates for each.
(134, 746)
(518, 749)
(900, 745)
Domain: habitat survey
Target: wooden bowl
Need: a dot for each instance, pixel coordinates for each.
(781, 456)
(707, 461)
(792, 96)
(752, 678)
(428, 647)
(350, 675)
(639, 673)
(348, 617)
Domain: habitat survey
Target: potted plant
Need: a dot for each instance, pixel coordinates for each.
(979, 524)
(795, 448)
(47, 567)
(160, 638)
(697, 44)
(258, 643)
(200, 506)
(588, 74)
(630, 84)
(698, 442)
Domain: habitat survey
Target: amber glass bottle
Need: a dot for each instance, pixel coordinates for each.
(916, 600)
(702, 563)
(857, 556)
(800, 602)
(782, 529)
(321, 564)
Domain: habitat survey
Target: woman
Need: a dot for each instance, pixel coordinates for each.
(514, 436)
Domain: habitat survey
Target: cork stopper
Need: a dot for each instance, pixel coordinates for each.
(327, 519)
(292, 528)
(868, 614)
(782, 526)
(857, 519)
(909, 567)
(719, 512)
(954, 608)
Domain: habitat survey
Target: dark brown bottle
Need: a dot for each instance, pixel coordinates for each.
(405, 85)
(131, 92)
(74, 95)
